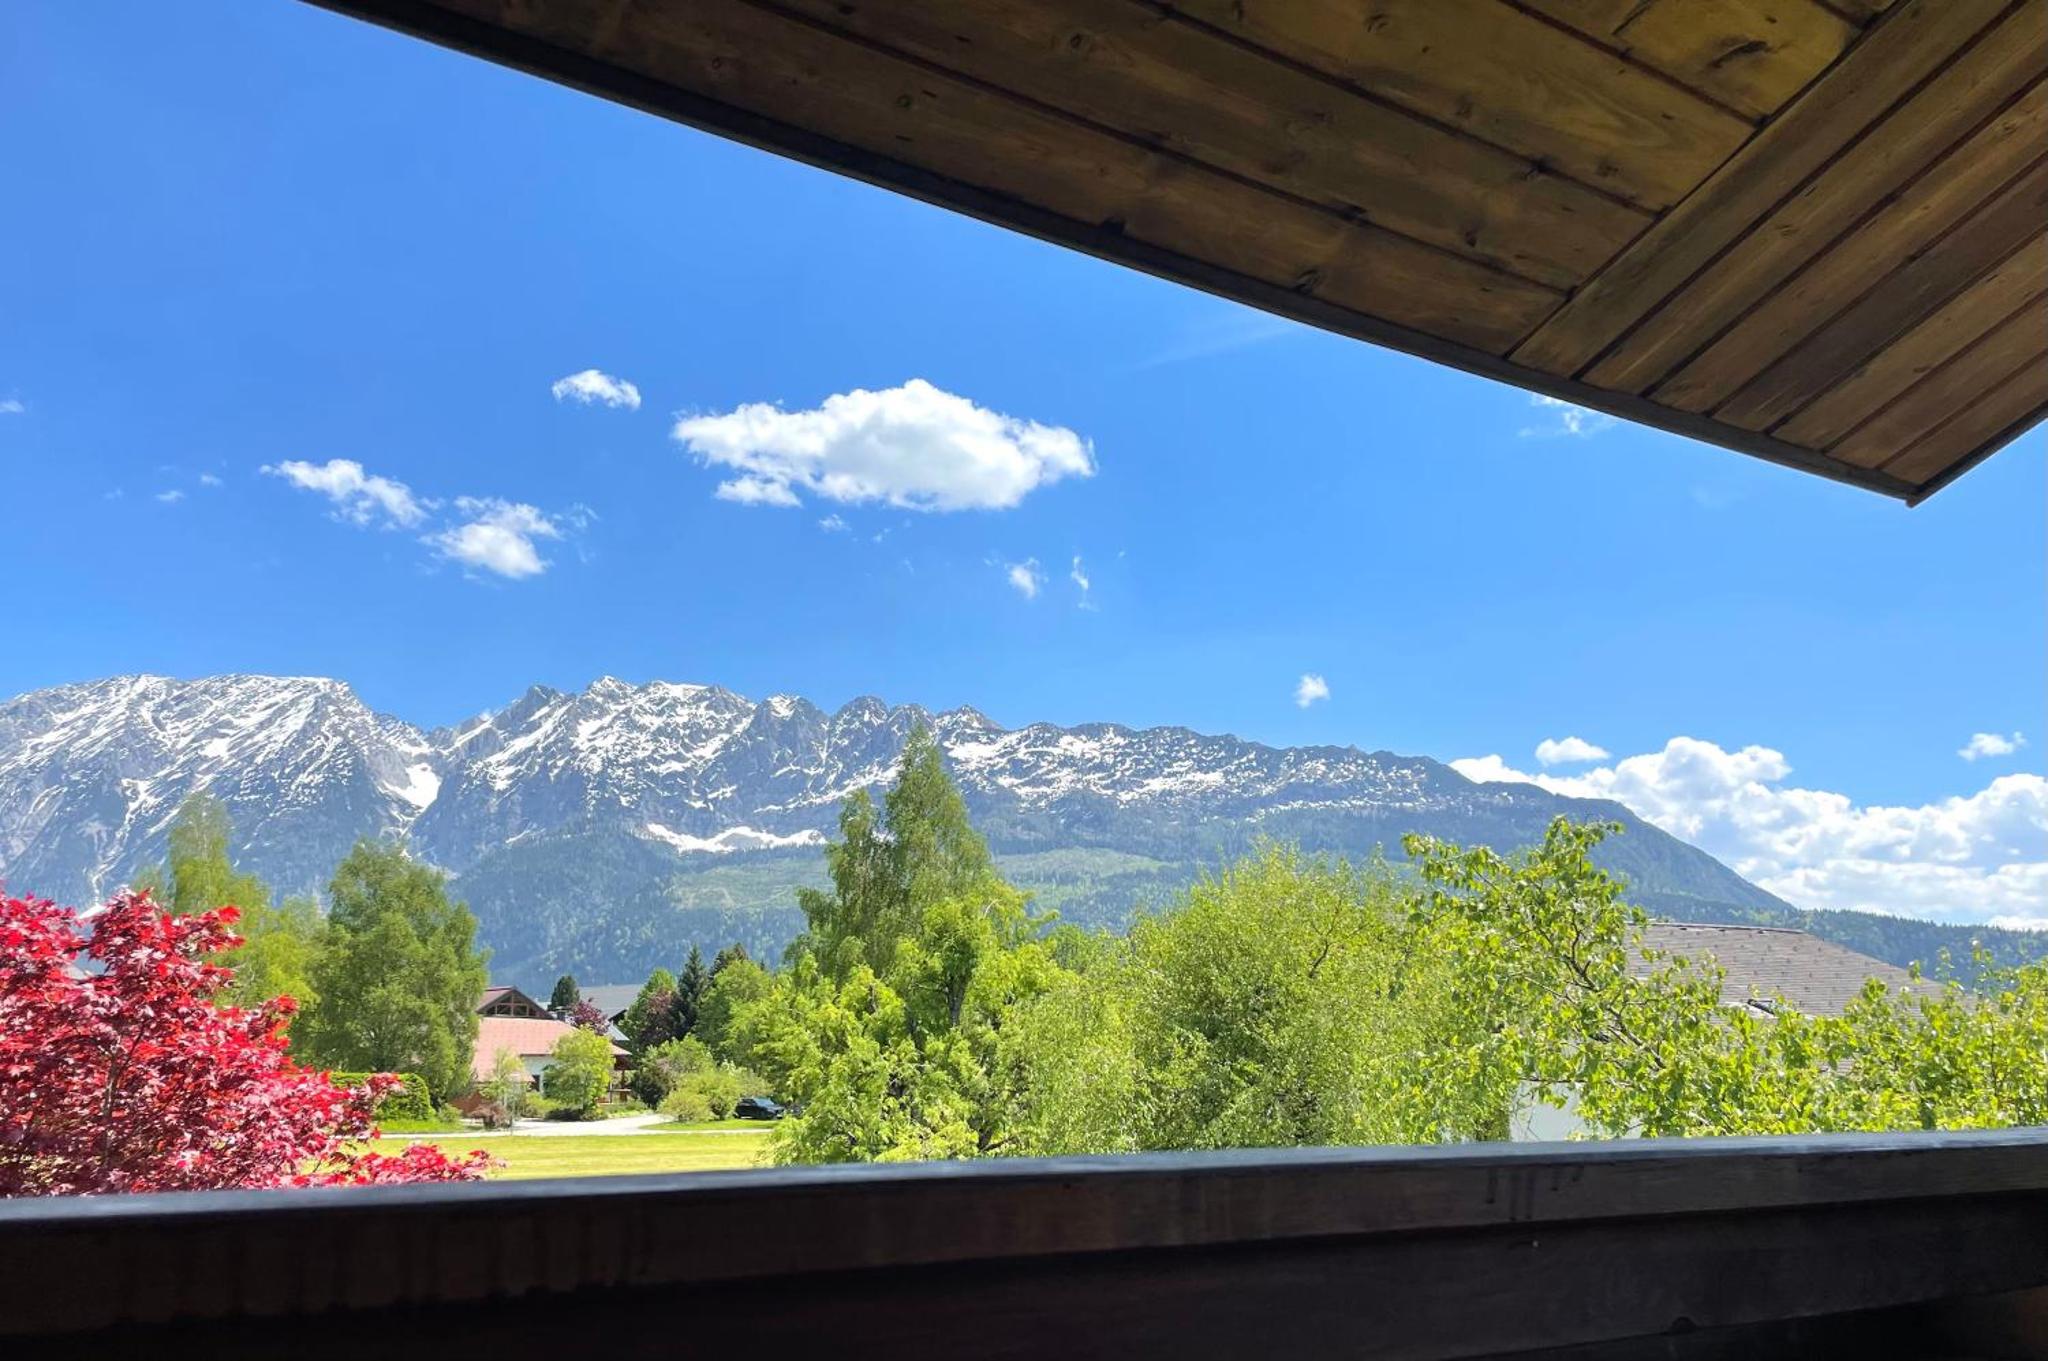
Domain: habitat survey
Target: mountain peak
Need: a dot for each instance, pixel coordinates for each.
(91, 777)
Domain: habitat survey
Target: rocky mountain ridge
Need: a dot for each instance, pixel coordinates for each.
(597, 825)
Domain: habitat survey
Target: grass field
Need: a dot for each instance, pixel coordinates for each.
(598, 1155)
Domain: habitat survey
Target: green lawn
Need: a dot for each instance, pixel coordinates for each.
(598, 1155)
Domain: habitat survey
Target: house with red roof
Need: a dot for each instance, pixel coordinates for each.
(511, 1022)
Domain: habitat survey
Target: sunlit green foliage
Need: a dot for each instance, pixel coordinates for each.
(581, 1071)
(735, 984)
(397, 975)
(278, 942)
(197, 873)
(889, 1027)
(1283, 1002)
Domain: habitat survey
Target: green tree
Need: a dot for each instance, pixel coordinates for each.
(735, 953)
(399, 974)
(278, 943)
(740, 982)
(1642, 1043)
(659, 1070)
(509, 1087)
(890, 1026)
(691, 985)
(581, 1072)
(1275, 1004)
(887, 870)
(279, 946)
(651, 1019)
(196, 873)
(566, 994)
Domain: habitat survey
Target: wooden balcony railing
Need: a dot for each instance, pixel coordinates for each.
(1896, 1246)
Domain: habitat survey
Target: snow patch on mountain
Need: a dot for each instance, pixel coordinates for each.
(732, 839)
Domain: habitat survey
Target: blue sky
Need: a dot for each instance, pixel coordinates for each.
(284, 237)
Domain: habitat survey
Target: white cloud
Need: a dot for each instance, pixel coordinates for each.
(1079, 576)
(11, 406)
(832, 524)
(359, 498)
(1982, 744)
(593, 385)
(1309, 689)
(756, 491)
(913, 446)
(1569, 751)
(209, 480)
(498, 537)
(1024, 577)
(171, 497)
(1979, 857)
(1570, 419)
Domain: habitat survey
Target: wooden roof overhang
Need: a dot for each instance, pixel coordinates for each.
(1809, 230)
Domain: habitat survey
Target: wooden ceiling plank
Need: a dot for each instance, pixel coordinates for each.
(2022, 275)
(1752, 55)
(1863, 10)
(1912, 138)
(1908, 46)
(747, 57)
(1901, 299)
(1597, 19)
(1126, 67)
(2006, 412)
(1507, 77)
(1951, 191)
(1966, 378)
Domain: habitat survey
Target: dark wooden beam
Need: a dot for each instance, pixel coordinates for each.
(1416, 1252)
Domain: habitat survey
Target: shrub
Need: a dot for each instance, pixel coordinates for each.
(721, 1088)
(409, 1101)
(714, 1091)
(581, 1072)
(661, 1068)
(686, 1104)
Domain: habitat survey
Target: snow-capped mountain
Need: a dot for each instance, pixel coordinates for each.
(587, 825)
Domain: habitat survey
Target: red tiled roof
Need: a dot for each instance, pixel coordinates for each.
(523, 1036)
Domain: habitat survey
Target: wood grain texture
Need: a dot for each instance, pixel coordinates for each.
(2021, 278)
(1567, 1242)
(1752, 55)
(1259, 175)
(1636, 1288)
(1911, 43)
(1970, 377)
(1911, 222)
(1506, 77)
(1599, 19)
(1883, 283)
(1913, 137)
(755, 59)
(2016, 403)
(1162, 81)
(1865, 10)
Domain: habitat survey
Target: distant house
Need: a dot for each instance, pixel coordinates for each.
(510, 1021)
(1760, 966)
(509, 1001)
(613, 999)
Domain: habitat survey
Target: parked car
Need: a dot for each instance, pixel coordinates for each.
(758, 1108)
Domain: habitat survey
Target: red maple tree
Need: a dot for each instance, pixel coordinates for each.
(119, 1071)
(587, 1015)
